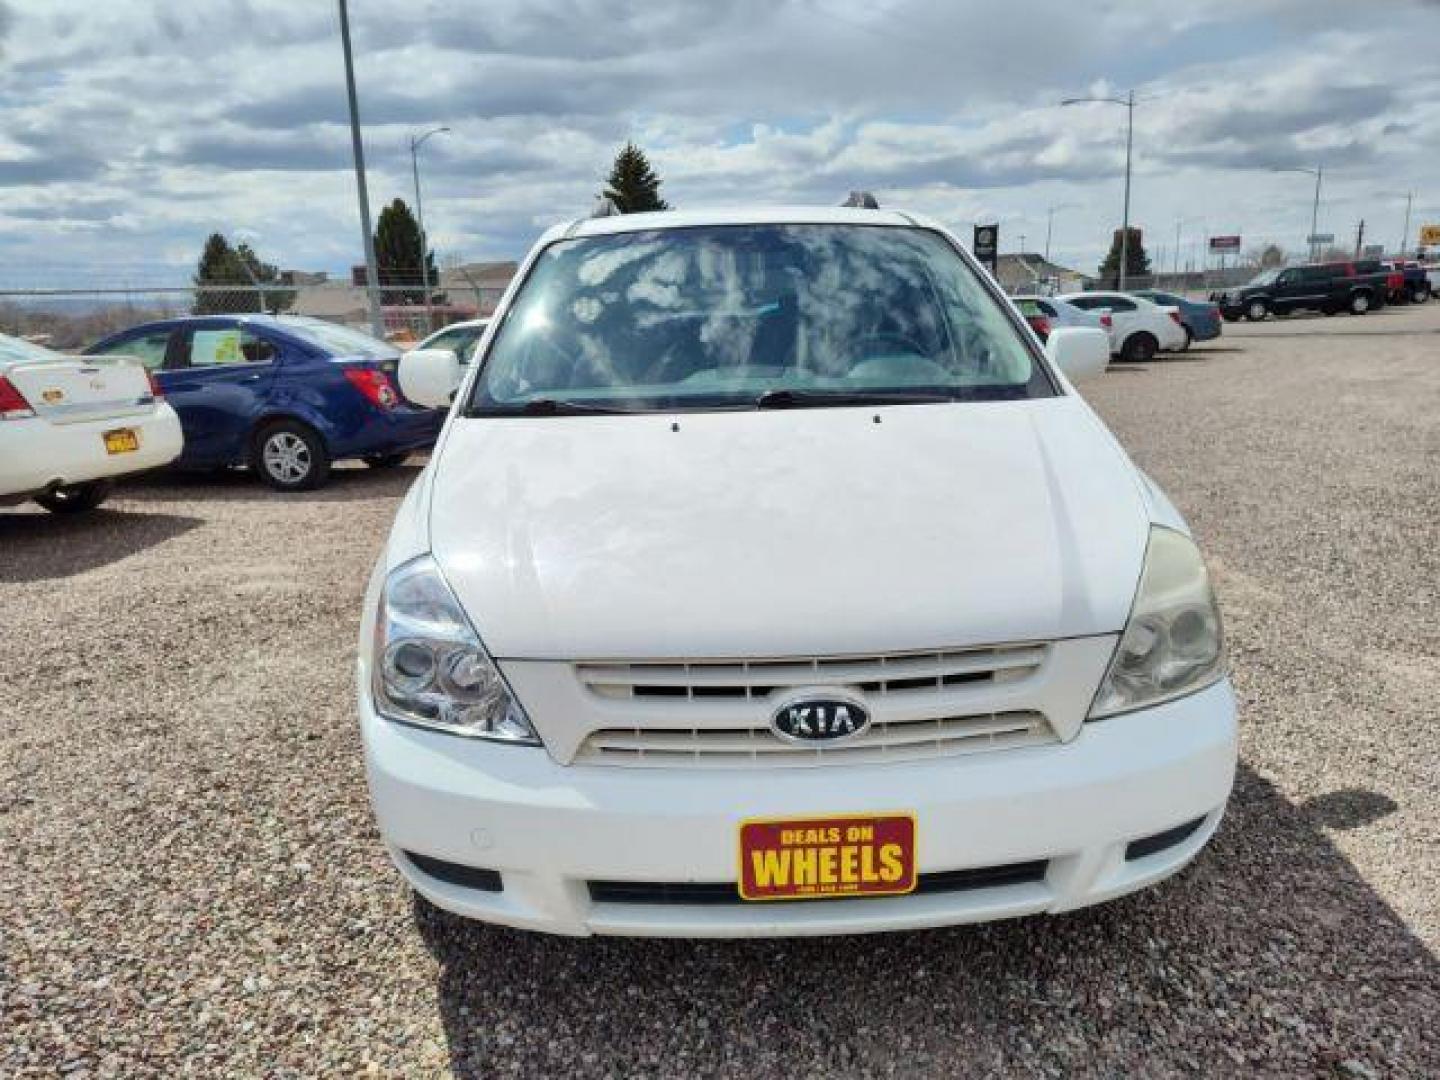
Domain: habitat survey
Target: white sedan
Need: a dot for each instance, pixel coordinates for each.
(1139, 328)
(69, 426)
(769, 578)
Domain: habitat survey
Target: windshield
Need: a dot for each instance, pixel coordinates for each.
(716, 317)
(339, 340)
(1265, 277)
(19, 351)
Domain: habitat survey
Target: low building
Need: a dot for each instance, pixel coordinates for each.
(1029, 272)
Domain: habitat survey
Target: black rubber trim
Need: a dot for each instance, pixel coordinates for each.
(726, 892)
(469, 877)
(1149, 845)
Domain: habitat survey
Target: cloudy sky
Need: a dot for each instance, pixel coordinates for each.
(129, 130)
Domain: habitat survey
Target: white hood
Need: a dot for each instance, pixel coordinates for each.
(782, 533)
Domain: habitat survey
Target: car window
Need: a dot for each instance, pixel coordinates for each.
(1047, 307)
(1118, 303)
(461, 340)
(149, 348)
(1084, 303)
(230, 345)
(1265, 277)
(18, 350)
(713, 317)
(339, 340)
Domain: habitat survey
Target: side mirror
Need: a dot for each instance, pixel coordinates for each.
(1079, 351)
(430, 377)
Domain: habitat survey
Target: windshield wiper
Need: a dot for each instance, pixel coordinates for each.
(557, 407)
(809, 399)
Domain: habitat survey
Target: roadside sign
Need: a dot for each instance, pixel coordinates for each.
(1320, 238)
(987, 246)
(1429, 235)
(1224, 243)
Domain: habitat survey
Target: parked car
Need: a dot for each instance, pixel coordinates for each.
(1034, 317)
(459, 337)
(287, 396)
(1412, 285)
(1139, 328)
(1057, 312)
(1200, 321)
(767, 557)
(1325, 287)
(69, 427)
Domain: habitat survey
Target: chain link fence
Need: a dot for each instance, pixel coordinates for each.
(71, 318)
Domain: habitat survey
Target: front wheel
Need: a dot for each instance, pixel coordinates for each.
(386, 461)
(290, 456)
(1138, 349)
(1257, 311)
(75, 498)
(1419, 294)
(1359, 304)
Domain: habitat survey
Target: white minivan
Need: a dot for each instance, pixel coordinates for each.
(769, 578)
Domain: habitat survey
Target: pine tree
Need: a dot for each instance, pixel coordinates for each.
(1137, 263)
(397, 255)
(633, 185)
(222, 264)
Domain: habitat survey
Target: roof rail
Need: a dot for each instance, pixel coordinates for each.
(862, 200)
(604, 207)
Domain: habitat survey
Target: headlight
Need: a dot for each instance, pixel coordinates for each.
(429, 666)
(1172, 644)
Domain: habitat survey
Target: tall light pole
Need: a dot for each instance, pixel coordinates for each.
(415, 144)
(372, 277)
(1129, 102)
(1318, 172)
(1405, 235)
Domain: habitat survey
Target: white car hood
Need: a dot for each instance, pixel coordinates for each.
(784, 533)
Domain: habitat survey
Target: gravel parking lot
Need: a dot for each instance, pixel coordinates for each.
(190, 881)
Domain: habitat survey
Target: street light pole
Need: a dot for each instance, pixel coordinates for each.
(1050, 228)
(1405, 236)
(1318, 172)
(415, 144)
(372, 277)
(1129, 102)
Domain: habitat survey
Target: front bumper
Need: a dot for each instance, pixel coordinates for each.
(550, 830)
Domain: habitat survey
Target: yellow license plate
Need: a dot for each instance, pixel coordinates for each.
(808, 858)
(121, 441)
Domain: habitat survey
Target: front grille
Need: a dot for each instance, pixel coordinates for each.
(922, 705)
(726, 892)
(888, 676)
(758, 745)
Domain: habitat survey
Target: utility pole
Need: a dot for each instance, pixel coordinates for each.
(372, 276)
(1050, 227)
(1359, 238)
(1405, 236)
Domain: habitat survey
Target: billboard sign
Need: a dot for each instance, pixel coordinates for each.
(1224, 243)
(987, 246)
(1320, 238)
(1429, 235)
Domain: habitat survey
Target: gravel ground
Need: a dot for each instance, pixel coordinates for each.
(190, 881)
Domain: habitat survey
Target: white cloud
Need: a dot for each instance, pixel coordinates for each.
(134, 129)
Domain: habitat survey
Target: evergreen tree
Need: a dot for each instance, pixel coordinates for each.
(397, 256)
(1137, 263)
(633, 185)
(222, 264)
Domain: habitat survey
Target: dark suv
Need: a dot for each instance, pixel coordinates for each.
(1356, 287)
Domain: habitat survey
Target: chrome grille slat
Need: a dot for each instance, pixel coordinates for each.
(758, 745)
(716, 713)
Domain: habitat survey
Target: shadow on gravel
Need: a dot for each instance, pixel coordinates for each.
(240, 485)
(1268, 956)
(1349, 809)
(43, 547)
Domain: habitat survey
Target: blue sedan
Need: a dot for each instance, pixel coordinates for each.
(1201, 319)
(287, 396)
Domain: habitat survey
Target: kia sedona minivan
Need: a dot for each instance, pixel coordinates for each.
(769, 578)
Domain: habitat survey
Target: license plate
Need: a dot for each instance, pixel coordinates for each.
(809, 858)
(121, 441)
